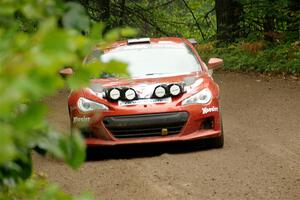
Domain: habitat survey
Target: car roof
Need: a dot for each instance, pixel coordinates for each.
(162, 40)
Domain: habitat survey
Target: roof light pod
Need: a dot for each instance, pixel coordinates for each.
(114, 94)
(130, 94)
(139, 41)
(175, 89)
(160, 91)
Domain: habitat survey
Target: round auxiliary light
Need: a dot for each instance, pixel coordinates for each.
(114, 94)
(130, 94)
(175, 89)
(160, 91)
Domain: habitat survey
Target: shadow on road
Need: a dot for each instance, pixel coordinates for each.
(143, 150)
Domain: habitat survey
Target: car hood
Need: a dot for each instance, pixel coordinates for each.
(144, 86)
(98, 85)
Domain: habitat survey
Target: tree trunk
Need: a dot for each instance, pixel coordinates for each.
(269, 22)
(269, 26)
(293, 22)
(104, 6)
(123, 3)
(98, 10)
(228, 13)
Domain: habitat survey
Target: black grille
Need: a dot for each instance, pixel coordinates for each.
(150, 125)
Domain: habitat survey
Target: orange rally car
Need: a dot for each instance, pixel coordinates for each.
(170, 96)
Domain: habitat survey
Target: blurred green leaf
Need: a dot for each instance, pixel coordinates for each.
(112, 35)
(8, 150)
(74, 149)
(37, 39)
(69, 148)
(37, 188)
(128, 32)
(75, 17)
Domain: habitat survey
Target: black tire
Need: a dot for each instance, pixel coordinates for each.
(40, 151)
(217, 142)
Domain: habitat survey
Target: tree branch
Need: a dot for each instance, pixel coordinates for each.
(161, 5)
(198, 25)
(206, 15)
(140, 15)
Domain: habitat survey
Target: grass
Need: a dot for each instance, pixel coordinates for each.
(255, 56)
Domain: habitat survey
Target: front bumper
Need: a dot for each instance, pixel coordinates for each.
(147, 125)
(133, 125)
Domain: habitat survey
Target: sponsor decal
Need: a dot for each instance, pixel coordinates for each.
(206, 110)
(81, 119)
(145, 91)
(145, 101)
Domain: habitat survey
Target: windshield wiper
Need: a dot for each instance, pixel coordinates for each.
(151, 74)
(107, 75)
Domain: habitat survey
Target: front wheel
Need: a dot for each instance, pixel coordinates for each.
(217, 142)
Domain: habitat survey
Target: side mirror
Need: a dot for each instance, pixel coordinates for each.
(66, 72)
(214, 63)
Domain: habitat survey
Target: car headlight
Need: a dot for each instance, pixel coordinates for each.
(202, 97)
(86, 105)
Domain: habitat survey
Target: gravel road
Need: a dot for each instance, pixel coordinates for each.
(260, 159)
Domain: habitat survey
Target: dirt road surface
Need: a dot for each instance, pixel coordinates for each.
(260, 159)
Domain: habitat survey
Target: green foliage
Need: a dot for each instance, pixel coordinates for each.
(175, 18)
(38, 188)
(256, 56)
(76, 17)
(270, 19)
(158, 18)
(245, 19)
(37, 39)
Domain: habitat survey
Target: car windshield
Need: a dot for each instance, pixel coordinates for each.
(154, 59)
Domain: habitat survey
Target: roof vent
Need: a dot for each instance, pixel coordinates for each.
(193, 41)
(139, 41)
